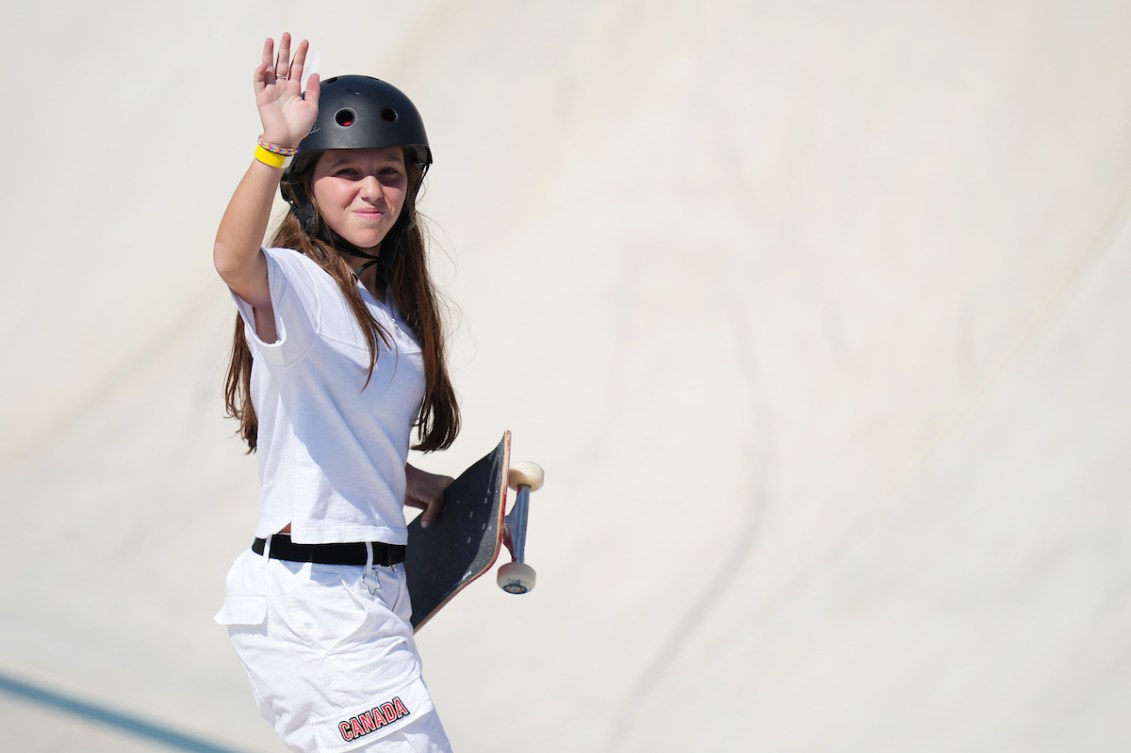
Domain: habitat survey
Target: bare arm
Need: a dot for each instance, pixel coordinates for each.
(237, 253)
(287, 118)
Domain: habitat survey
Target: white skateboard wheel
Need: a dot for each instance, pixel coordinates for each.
(525, 473)
(516, 578)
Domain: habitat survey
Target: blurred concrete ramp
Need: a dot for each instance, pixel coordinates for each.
(815, 314)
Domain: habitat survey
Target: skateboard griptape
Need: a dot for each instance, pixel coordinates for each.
(464, 542)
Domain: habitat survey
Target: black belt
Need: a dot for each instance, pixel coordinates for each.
(282, 548)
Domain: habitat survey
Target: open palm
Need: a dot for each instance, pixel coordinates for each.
(286, 115)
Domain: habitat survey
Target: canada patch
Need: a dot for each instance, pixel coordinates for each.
(372, 720)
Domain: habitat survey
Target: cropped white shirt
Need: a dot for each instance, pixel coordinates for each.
(331, 449)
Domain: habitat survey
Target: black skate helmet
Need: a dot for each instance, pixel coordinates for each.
(361, 112)
(356, 112)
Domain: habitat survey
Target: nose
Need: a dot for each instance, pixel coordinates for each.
(371, 189)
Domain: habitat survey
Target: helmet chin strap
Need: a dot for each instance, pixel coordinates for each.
(386, 251)
(342, 246)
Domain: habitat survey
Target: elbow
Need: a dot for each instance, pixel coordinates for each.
(221, 258)
(229, 264)
(244, 273)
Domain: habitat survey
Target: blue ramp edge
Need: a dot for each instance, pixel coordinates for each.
(123, 722)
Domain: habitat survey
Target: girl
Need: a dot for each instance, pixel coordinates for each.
(338, 353)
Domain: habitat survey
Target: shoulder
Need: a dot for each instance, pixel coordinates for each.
(296, 266)
(288, 257)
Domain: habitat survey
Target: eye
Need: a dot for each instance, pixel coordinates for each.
(347, 172)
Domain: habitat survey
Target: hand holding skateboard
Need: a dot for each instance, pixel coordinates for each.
(465, 541)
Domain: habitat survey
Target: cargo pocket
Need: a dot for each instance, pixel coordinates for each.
(245, 594)
(366, 724)
(243, 611)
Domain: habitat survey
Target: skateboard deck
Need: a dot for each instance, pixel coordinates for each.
(465, 541)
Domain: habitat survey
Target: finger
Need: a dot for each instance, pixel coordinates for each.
(299, 59)
(259, 79)
(283, 60)
(265, 62)
(313, 90)
(432, 512)
(298, 62)
(268, 51)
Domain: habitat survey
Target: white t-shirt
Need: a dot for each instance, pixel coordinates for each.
(331, 454)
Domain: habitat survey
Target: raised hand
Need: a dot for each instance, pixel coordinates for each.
(286, 116)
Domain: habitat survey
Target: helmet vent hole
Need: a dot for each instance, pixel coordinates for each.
(345, 118)
(389, 115)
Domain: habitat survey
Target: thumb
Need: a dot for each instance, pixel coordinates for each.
(313, 89)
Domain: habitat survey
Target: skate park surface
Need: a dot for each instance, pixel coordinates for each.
(815, 313)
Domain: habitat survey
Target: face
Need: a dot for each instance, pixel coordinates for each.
(360, 192)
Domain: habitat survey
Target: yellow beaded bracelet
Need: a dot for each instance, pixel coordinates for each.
(269, 158)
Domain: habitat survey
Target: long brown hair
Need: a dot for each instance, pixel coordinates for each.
(438, 420)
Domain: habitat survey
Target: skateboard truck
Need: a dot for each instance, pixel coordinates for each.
(517, 577)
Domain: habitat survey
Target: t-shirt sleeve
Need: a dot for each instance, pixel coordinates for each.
(294, 301)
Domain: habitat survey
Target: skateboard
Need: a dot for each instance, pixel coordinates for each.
(472, 529)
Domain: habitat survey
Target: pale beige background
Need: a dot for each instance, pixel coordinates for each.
(816, 313)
